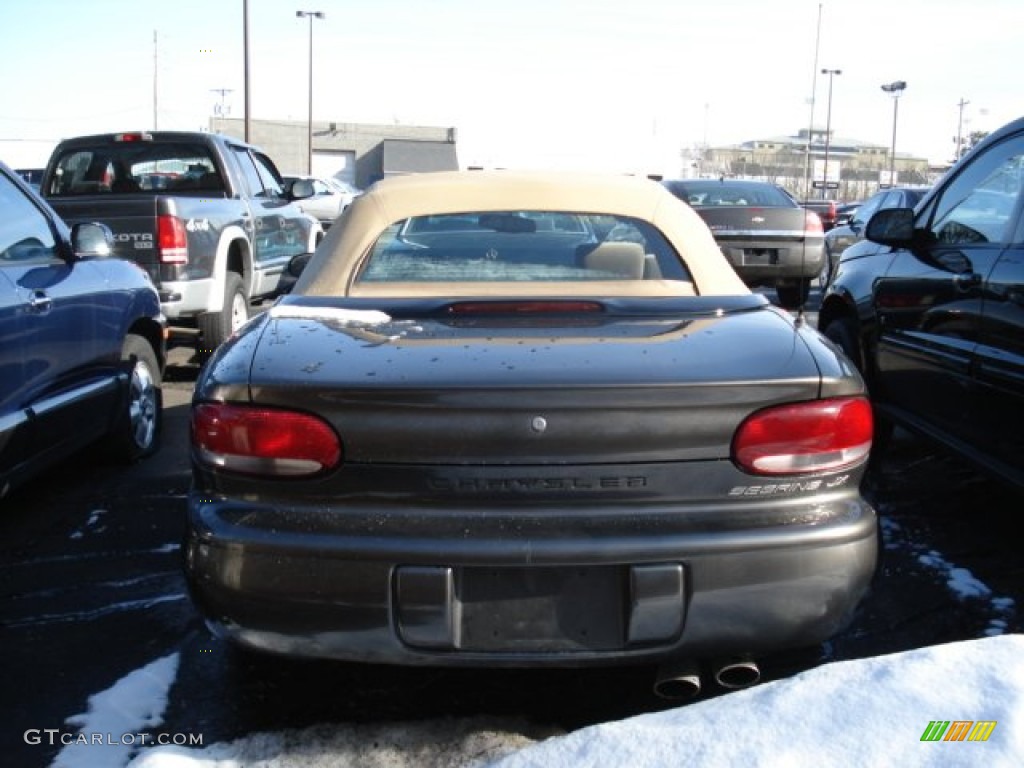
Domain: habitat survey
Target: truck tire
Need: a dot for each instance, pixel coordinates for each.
(136, 432)
(216, 327)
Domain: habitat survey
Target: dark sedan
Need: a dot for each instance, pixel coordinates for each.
(764, 233)
(931, 308)
(513, 419)
(81, 341)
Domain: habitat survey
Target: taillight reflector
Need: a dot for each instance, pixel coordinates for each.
(263, 441)
(172, 242)
(799, 438)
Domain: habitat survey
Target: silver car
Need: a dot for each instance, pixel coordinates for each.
(330, 198)
(764, 233)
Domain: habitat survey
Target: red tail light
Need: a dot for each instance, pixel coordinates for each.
(805, 437)
(812, 224)
(263, 441)
(172, 242)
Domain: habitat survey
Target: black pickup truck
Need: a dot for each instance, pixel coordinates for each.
(206, 215)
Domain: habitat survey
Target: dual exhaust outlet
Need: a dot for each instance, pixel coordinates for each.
(682, 680)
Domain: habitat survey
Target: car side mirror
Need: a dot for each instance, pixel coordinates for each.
(91, 240)
(301, 189)
(891, 226)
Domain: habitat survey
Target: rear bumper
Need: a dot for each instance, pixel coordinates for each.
(758, 261)
(496, 588)
(182, 300)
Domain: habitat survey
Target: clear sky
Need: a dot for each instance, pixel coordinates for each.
(620, 85)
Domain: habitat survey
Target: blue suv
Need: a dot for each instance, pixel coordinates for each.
(82, 341)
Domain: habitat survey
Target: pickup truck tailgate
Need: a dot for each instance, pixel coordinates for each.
(133, 221)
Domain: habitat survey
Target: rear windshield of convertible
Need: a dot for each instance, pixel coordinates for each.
(521, 246)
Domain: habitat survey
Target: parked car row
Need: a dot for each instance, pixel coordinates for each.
(555, 425)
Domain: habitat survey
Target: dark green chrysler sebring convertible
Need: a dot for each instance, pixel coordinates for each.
(528, 419)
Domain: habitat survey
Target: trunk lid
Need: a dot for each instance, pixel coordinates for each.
(533, 390)
(763, 224)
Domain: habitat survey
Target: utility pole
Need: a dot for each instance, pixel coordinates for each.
(810, 124)
(828, 129)
(960, 130)
(220, 109)
(154, 80)
(245, 65)
(309, 123)
(894, 89)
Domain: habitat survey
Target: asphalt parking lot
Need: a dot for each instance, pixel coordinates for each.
(92, 588)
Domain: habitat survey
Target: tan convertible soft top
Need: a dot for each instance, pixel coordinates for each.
(391, 200)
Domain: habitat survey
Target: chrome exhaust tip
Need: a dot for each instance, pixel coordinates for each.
(678, 680)
(739, 672)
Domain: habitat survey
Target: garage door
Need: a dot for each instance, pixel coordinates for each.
(340, 164)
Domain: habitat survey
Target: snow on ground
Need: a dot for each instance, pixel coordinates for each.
(865, 712)
(874, 712)
(133, 704)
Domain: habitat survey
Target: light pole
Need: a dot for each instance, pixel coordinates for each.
(247, 113)
(810, 121)
(895, 88)
(309, 124)
(828, 128)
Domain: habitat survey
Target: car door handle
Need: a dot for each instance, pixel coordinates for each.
(39, 303)
(966, 280)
